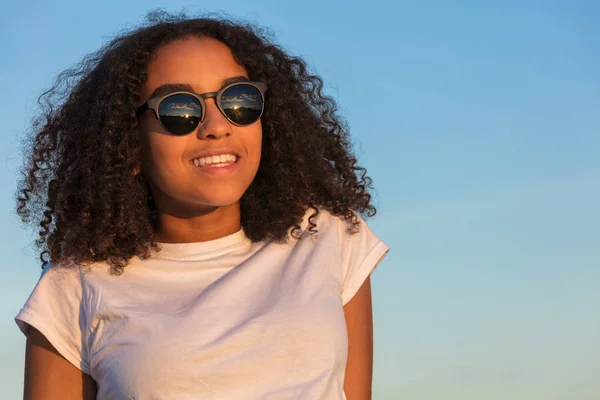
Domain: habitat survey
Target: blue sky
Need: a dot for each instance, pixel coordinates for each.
(479, 124)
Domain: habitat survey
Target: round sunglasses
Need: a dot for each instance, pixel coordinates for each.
(180, 113)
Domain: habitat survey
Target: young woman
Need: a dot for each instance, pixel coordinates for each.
(200, 233)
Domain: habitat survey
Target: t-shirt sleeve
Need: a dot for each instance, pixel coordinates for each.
(361, 253)
(56, 309)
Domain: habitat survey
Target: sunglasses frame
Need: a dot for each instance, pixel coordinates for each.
(154, 103)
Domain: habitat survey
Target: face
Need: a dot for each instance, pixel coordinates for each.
(199, 65)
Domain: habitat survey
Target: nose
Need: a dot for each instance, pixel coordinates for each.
(215, 125)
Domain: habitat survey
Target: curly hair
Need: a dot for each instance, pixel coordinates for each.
(77, 183)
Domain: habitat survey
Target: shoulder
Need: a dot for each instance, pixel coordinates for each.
(322, 220)
(351, 246)
(322, 223)
(60, 278)
(337, 234)
(69, 276)
(64, 285)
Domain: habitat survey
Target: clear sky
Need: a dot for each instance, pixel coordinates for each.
(480, 125)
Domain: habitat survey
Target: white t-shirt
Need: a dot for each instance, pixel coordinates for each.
(223, 319)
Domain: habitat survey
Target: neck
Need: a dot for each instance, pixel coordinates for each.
(214, 223)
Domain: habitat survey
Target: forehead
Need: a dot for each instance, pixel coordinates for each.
(202, 63)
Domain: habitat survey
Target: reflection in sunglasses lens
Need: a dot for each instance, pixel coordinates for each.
(243, 104)
(180, 114)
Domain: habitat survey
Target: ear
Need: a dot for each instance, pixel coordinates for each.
(136, 171)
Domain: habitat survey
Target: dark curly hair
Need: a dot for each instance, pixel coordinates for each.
(77, 183)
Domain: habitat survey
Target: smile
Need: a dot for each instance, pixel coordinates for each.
(217, 161)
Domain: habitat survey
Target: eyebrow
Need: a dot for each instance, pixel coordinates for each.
(178, 87)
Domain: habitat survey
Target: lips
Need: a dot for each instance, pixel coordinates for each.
(219, 162)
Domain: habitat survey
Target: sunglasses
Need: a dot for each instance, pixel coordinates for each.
(180, 113)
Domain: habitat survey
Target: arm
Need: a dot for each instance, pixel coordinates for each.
(49, 376)
(359, 322)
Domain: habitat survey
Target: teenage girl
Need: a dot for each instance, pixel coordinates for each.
(198, 204)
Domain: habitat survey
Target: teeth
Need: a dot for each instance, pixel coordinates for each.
(216, 161)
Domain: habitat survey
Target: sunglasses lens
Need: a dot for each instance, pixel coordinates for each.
(242, 103)
(180, 114)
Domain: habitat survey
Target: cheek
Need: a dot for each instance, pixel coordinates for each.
(162, 156)
(255, 143)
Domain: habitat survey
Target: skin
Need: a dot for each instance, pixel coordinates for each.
(49, 376)
(193, 207)
(359, 324)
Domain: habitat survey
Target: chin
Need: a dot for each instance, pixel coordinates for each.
(218, 200)
(221, 203)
